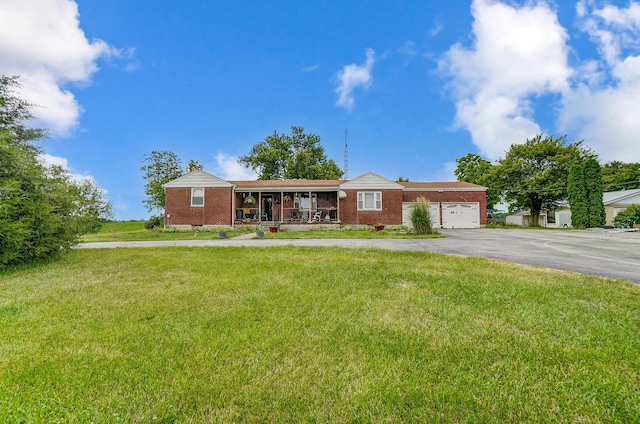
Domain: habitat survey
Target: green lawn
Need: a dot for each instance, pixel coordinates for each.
(297, 334)
(135, 231)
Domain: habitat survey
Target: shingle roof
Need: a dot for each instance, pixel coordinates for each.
(459, 185)
(287, 184)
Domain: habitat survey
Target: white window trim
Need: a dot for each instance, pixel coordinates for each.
(377, 201)
(192, 190)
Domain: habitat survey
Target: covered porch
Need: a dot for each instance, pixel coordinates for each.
(268, 206)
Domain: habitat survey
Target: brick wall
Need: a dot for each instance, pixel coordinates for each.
(216, 211)
(451, 196)
(391, 213)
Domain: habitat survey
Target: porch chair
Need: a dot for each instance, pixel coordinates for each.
(317, 215)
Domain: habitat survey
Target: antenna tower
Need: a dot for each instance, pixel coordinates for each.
(346, 154)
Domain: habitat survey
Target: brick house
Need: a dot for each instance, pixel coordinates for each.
(199, 198)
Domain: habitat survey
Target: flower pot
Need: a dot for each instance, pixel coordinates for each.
(273, 229)
(260, 234)
(222, 234)
(379, 227)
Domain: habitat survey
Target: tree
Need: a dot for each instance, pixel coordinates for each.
(534, 175)
(584, 191)
(295, 156)
(474, 169)
(193, 165)
(593, 188)
(577, 195)
(159, 167)
(90, 206)
(40, 207)
(617, 175)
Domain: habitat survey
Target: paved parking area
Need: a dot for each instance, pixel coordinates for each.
(614, 254)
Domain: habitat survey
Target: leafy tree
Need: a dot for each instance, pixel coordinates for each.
(295, 156)
(617, 175)
(628, 217)
(577, 195)
(40, 207)
(472, 168)
(593, 187)
(91, 208)
(534, 175)
(402, 179)
(159, 167)
(193, 165)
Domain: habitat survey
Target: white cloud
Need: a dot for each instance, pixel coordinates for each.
(409, 49)
(49, 160)
(604, 108)
(353, 76)
(517, 53)
(228, 168)
(41, 40)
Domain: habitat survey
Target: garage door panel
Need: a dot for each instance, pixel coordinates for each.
(461, 215)
(434, 212)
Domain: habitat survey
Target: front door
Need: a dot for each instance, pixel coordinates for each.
(267, 207)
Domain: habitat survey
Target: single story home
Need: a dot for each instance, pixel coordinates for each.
(202, 199)
(614, 203)
(617, 201)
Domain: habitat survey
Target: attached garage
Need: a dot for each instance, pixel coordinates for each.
(461, 215)
(434, 211)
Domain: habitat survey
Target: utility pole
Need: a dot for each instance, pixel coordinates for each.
(346, 154)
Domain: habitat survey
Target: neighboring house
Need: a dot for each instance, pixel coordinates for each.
(199, 198)
(558, 218)
(617, 201)
(614, 203)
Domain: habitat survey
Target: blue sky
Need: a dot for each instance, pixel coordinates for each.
(417, 84)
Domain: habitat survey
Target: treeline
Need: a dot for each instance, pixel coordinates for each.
(43, 209)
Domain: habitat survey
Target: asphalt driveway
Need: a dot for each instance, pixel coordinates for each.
(614, 254)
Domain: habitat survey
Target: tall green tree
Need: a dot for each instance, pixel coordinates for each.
(40, 212)
(292, 156)
(577, 196)
(472, 168)
(534, 175)
(594, 188)
(159, 167)
(618, 175)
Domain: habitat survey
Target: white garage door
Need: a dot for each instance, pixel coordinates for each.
(434, 211)
(461, 215)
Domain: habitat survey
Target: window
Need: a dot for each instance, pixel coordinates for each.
(197, 197)
(370, 200)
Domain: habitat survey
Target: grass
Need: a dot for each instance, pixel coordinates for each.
(135, 231)
(296, 334)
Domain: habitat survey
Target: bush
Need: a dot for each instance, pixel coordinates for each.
(420, 217)
(154, 222)
(628, 217)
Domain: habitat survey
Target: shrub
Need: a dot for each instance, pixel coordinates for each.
(628, 217)
(420, 217)
(155, 221)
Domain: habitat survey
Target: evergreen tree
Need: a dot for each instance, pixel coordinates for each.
(594, 187)
(577, 196)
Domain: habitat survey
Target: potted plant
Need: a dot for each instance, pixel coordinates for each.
(259, 231)
(250, 200)
(286, 198)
